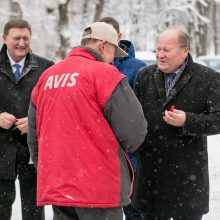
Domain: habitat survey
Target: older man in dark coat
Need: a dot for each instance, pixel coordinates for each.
(181, 102)
(19, 72)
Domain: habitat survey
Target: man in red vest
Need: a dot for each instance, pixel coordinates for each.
(83, 116)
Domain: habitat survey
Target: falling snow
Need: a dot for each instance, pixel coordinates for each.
(214, 171)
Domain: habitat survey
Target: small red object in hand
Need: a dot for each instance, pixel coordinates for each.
(172, 108)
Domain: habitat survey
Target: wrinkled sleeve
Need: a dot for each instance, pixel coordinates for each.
(32, 134)
(125, 116)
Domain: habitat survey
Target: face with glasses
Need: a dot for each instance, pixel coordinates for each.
(170, 55)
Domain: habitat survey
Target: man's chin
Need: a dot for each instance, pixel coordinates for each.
(162, 68)
(21, 55)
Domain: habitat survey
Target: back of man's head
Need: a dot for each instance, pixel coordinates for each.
(112, 21)
(102, 31)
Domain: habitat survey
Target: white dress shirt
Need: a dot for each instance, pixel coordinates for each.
(12, 62)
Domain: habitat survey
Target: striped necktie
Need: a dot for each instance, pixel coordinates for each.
(17, 71)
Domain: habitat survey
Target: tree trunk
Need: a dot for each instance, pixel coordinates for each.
(202, 34)
(16, 11)
(98, 10)
(216, 27)
(63, 28)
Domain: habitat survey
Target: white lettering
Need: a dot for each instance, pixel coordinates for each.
(72, 77)
(49, 83)
(64, 81)
(61, 81)
(57, 80)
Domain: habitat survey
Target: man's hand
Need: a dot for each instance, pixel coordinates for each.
(22, 124)
(176, 117)
(7, 120)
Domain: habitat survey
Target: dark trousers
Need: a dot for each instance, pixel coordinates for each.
(132, 214)
(28, 199)
(73, 213)
(197, 217)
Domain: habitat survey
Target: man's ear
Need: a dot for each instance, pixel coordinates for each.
(4, 38)
(101, 46)
(185, 52)
(119, 36)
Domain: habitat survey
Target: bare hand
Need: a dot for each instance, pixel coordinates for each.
(7, 120)
(22, 124)
(176, 118)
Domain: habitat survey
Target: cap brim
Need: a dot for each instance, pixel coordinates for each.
(120, 53)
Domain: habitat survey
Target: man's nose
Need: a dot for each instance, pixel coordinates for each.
(21, 42)
(160, 54)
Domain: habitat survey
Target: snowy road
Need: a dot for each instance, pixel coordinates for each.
(214, 170)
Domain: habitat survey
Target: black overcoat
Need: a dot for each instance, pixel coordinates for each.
(172, 173)
(15, 99)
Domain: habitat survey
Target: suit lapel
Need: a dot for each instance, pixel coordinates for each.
(7, 70)
(159, 83)
(5, 66)
(179, 85)
(30, 64)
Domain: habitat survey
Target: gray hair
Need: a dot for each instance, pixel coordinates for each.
(183, 35)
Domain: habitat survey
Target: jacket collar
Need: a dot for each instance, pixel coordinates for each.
(85, 52)
(180, 84)
(5, 66)
(131, 53)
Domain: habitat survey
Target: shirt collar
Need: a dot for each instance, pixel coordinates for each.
(180, 70)
(177, 72)
(21, 63)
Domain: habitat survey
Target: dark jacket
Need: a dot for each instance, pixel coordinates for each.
(172, 173)
(15, 98)
(129, 65)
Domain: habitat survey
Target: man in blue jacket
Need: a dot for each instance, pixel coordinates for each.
(129, 66)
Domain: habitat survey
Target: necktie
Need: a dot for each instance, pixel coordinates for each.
(170, 78)
(17, 71)
(169, 82)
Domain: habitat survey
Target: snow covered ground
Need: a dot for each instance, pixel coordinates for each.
(214, 170)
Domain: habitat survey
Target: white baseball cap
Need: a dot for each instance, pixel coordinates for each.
(105, 32)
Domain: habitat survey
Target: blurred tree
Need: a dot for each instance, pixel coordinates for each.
(64, 28)
(201, 33)
(16, 11)
(216, 26)
(192, 14)
(99, 9)
(60, 22)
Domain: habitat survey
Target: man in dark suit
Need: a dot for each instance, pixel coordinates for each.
(181, 102)
(19, 72)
